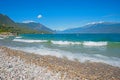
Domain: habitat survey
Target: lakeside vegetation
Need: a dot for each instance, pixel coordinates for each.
(18, 30)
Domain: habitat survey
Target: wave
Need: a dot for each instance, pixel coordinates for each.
(28, 41)
(1, 38)
(66, 42)
(18, 37)
(85, 43)
(81, 57)
(91, 43)
(53, 42)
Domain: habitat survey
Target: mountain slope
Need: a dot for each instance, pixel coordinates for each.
(5, 20)
(105, 27)
(8, 25)
(35, 26)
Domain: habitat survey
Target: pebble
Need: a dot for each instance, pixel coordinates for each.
(18, 65)
(14, 68)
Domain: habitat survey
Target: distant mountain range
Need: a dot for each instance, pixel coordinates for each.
(102, 27)
(35, 26)
(7, 24)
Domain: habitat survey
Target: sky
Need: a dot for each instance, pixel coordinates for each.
(61, 14)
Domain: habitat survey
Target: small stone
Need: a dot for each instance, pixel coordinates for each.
(10, 66)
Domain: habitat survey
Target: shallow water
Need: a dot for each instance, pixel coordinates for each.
(84, 47)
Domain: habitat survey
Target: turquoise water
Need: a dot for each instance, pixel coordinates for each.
(75, 37)
(84, 47)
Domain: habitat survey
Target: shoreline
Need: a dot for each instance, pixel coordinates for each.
(6, 34)
(67, 69)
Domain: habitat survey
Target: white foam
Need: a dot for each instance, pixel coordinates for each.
(90, 43)
(85, 43)
(18, 37)
(1, 38)
(66, 43)
(82, 57)
(29, 41)
(53, 42)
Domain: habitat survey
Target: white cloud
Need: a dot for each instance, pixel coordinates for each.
(39, 16)
(28, 21)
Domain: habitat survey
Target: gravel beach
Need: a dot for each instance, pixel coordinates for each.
(19, 65)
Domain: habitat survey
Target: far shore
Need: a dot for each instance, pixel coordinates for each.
(6, 34)
(68, 70)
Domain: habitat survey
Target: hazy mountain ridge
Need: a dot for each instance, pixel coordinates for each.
(8, 25)
(35, 26)
(104, 27)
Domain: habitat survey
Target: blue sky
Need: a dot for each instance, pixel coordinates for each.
(61, 14)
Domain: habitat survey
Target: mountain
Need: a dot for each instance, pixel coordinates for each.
(104, 27)
(35, 26)
(8, 25)
(5, 20)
